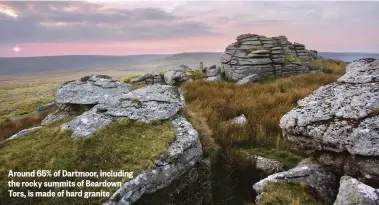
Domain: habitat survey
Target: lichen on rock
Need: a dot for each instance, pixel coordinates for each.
(339, 123)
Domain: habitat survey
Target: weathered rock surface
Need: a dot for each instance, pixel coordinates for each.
(354, 192)
(308, 173)
(154, 102)
(183, 154)
(90, 90)
(266, 165)
(265, 57)
(175, 76)
(249, 79)
(24, 132)
(148, 78)
(339, 123)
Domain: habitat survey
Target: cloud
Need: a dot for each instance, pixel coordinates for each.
(319, 25)
(81, 21)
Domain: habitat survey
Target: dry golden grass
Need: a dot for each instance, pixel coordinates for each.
(331, 66)
(263, 104)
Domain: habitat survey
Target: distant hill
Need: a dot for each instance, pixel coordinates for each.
(348, 57)
(137, 63)
(26, 65)
(192, 60)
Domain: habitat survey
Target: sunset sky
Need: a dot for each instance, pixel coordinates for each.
(125, 27)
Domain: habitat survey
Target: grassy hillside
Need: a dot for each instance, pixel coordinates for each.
(122, 145)
(210, 107)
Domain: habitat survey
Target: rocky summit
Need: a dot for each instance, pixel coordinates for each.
(339, 123)
(265, 57)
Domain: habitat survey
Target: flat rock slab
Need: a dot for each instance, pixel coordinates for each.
(155, 102)
(90, 90)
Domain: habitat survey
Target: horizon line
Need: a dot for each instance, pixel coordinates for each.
(352, 52)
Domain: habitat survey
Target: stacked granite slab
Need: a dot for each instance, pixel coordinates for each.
(300, 50)
(263, 56)
(148, 78)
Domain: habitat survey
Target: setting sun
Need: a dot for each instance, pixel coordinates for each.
(16, 49)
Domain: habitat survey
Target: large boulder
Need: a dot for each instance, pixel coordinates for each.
(265, 57)
(354, 192)
(175, 76)
(155, 102)
(339, 123)
(308, 172)
(90, 90)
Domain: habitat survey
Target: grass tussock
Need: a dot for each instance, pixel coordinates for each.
(287, 194)
(331, 66)
(10, 127)
(263, 104)
(130, 78)
(122, 145)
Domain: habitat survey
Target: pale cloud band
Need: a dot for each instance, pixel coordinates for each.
(327, 26)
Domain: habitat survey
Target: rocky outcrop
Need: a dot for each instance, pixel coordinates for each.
(148, 79)
(155, 102)
(90, 90)
(353, 192)
(183, 154)
(265, 57)
(308, 172)
(180, 174)
(339, 123)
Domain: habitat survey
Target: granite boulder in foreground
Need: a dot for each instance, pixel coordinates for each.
(180, 174)
(155, 102)
(339, 123)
